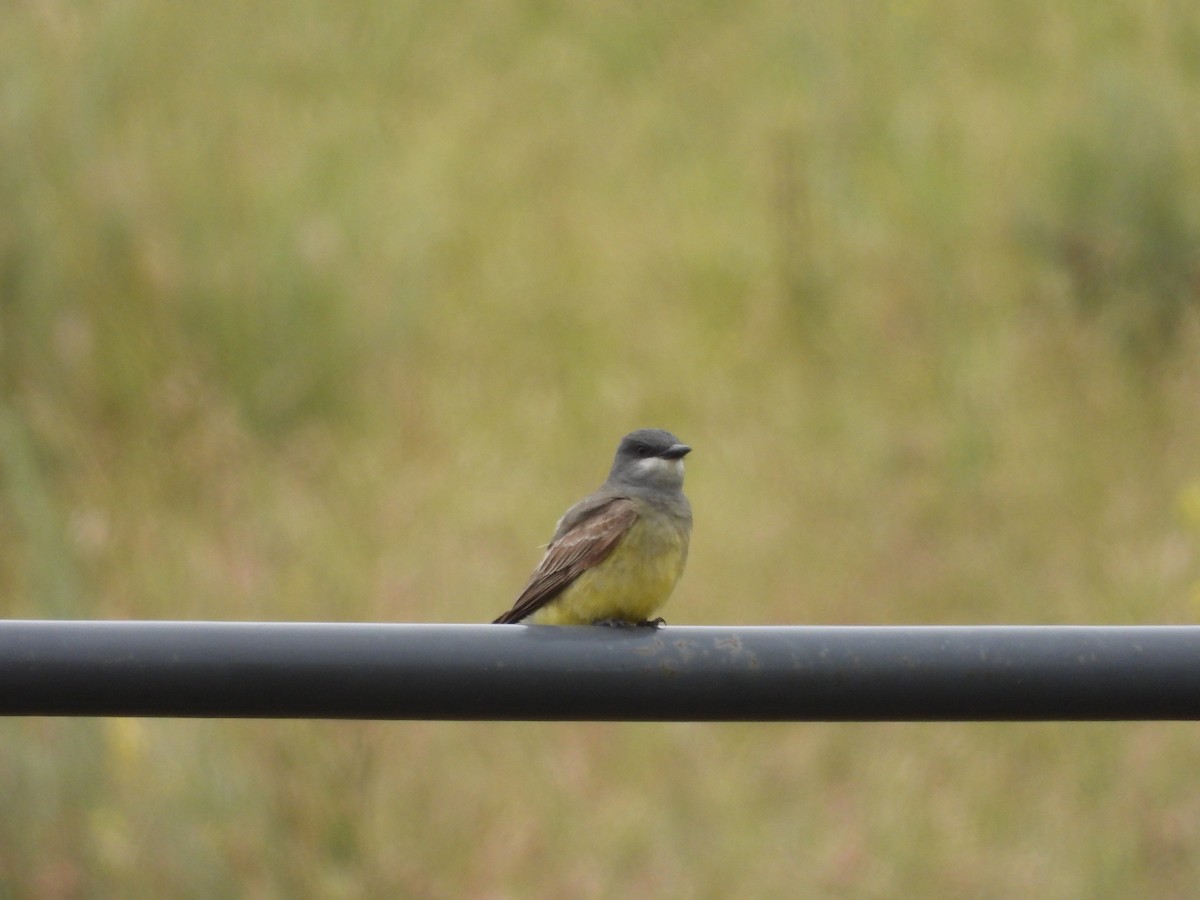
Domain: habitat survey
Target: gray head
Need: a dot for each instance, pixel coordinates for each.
(649, 457)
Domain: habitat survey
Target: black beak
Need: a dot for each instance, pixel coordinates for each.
(676, 451)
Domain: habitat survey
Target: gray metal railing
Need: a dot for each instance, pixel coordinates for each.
(674, 673)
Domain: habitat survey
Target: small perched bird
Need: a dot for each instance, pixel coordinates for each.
(617, 554)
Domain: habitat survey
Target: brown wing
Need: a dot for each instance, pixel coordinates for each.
(582, 546)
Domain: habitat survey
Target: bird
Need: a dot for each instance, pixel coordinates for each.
(617, 554)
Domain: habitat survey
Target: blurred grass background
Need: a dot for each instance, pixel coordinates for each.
(327, 312)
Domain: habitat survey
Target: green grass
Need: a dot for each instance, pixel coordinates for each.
(328, 313)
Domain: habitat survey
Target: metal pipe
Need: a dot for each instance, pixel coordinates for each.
(674, 673)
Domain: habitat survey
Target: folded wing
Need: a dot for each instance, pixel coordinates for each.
(583, 545)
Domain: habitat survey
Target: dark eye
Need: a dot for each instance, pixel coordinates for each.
(643, 450)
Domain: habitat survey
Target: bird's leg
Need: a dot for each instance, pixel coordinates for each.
(652, 623)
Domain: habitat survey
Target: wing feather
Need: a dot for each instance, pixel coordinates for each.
(584, 544)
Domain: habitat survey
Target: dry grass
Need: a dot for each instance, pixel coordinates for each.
(316, 313)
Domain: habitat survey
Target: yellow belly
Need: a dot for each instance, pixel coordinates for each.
(631, 585)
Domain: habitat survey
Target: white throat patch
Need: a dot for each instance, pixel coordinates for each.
(656, 468)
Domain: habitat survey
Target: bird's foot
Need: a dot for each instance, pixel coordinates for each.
(625, 623)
